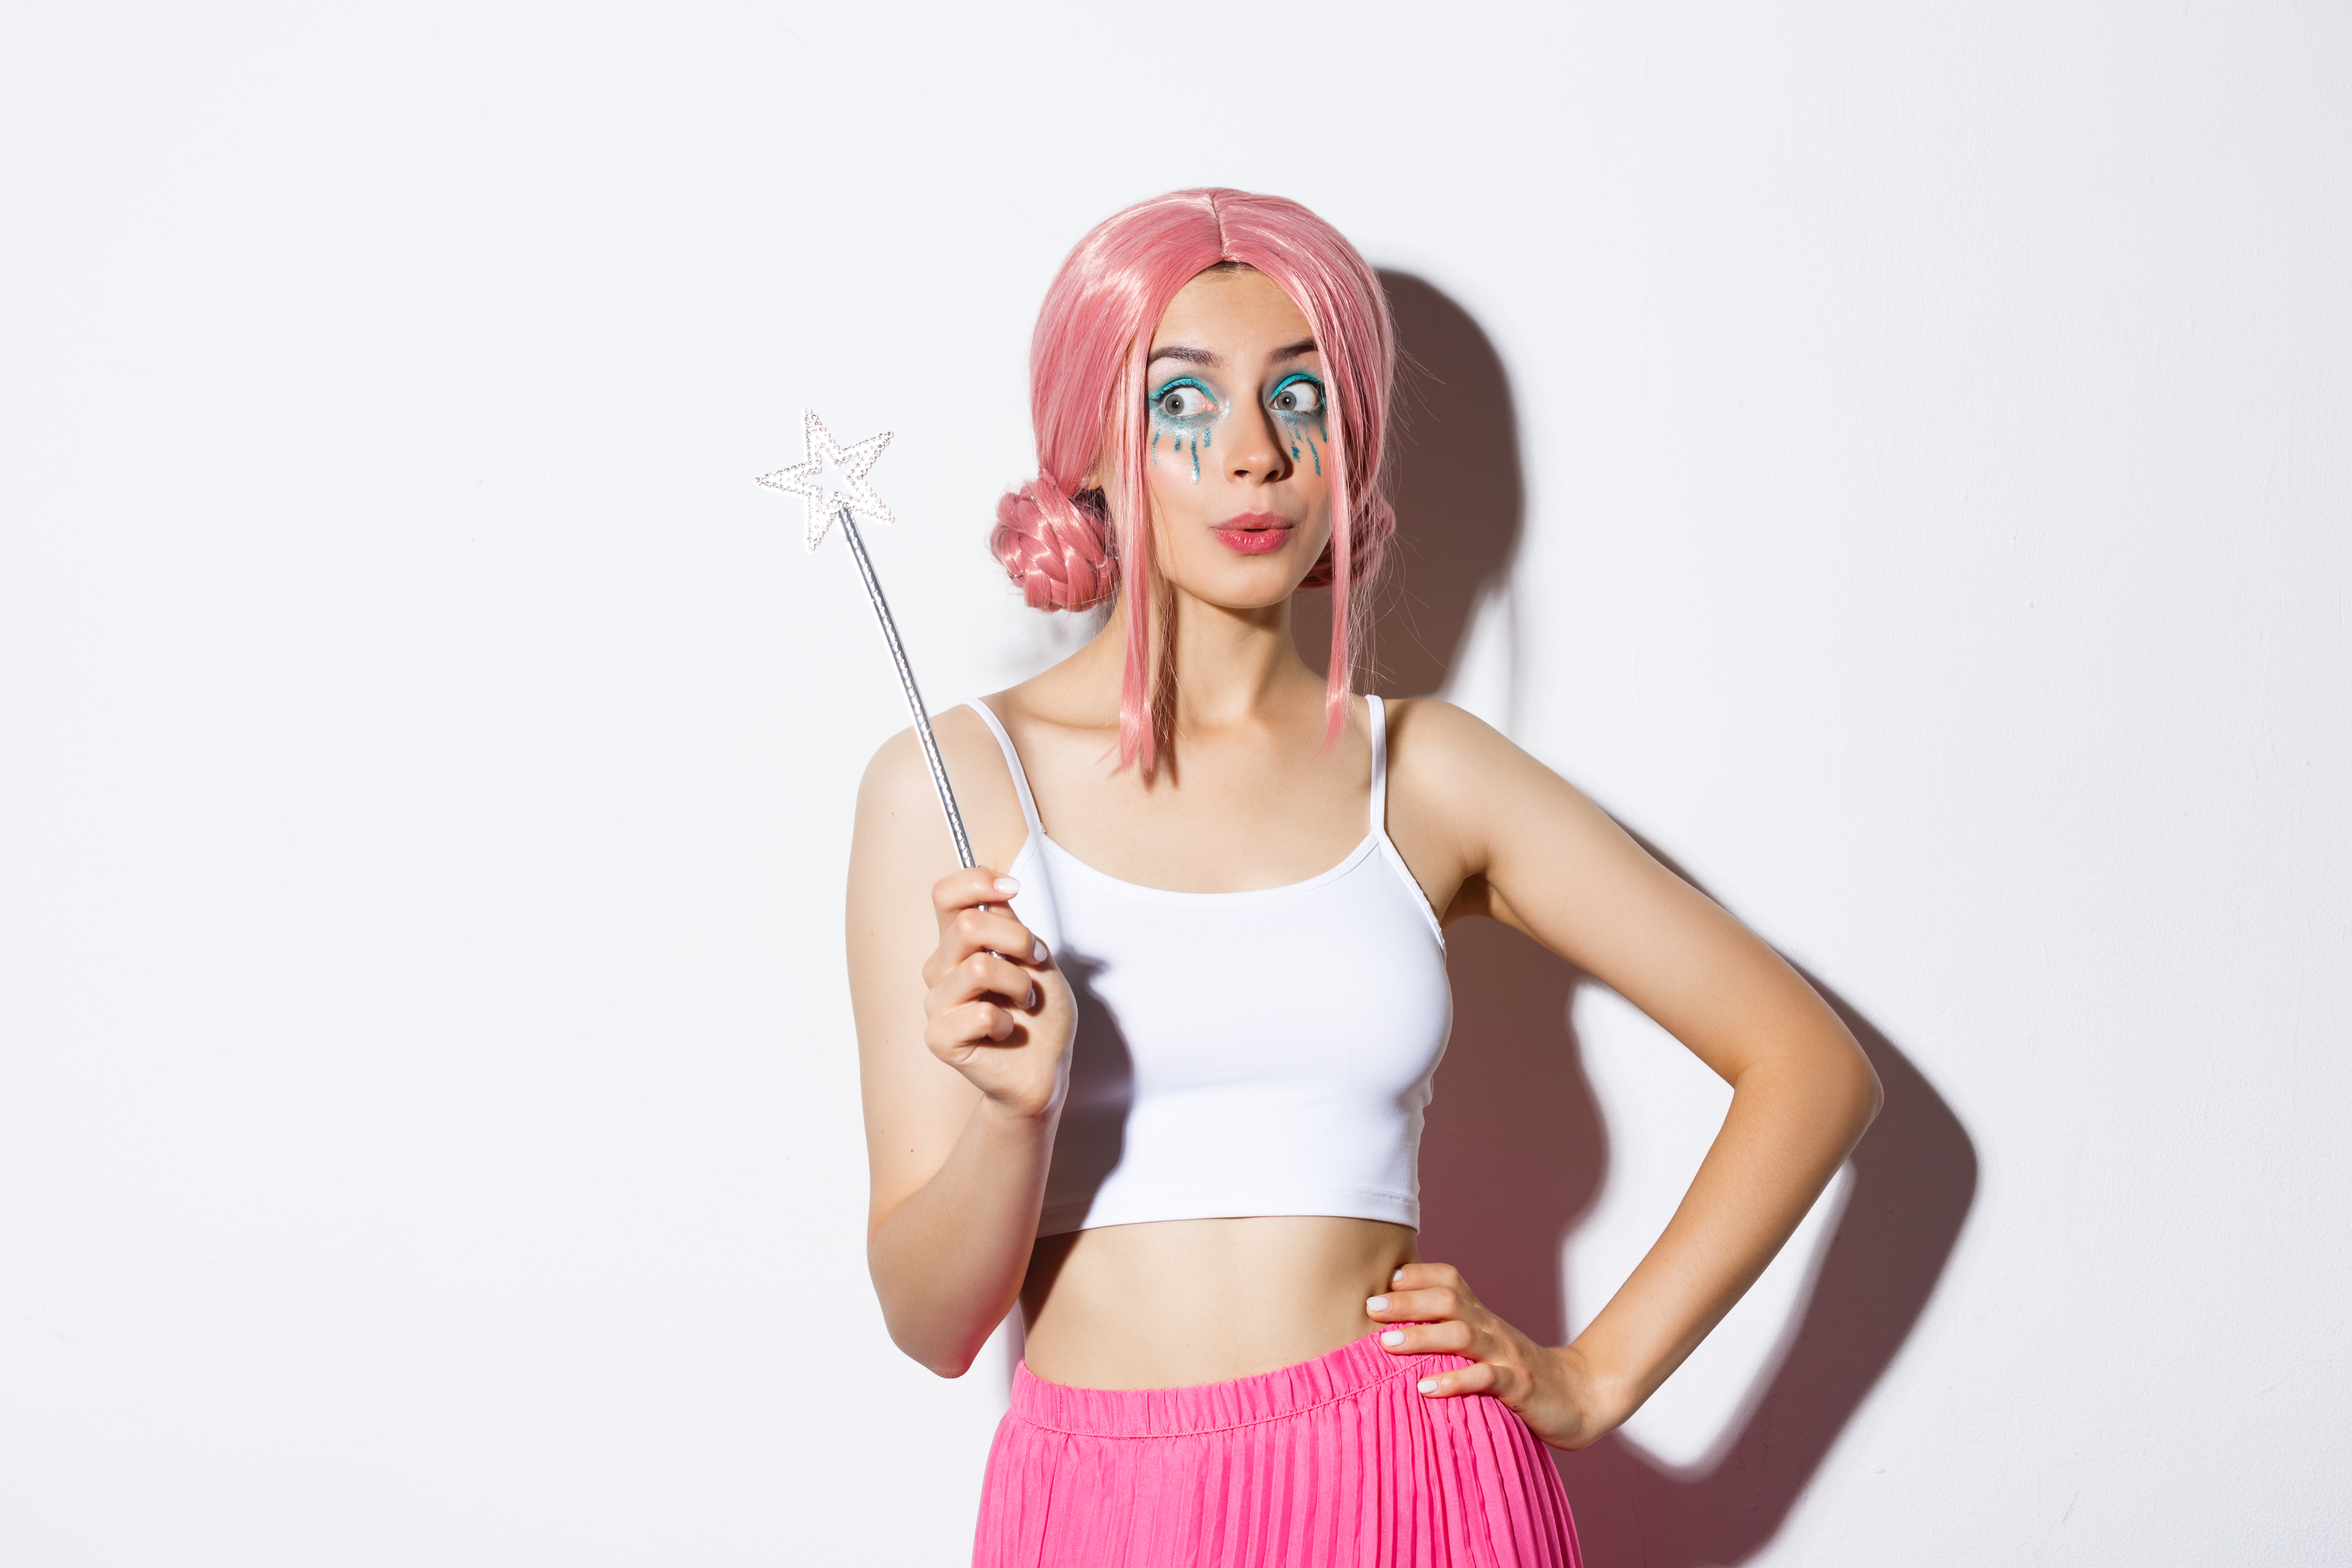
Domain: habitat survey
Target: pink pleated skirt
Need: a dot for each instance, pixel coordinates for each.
(1335, 1463)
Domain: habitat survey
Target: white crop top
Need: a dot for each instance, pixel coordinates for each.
(1257, 1053)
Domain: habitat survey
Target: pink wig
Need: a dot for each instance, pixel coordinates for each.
(1068, 546)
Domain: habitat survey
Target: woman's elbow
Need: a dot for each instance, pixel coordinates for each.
(938, 1360)
(931, 1332)
(1864, 1097)
(926, 1343)
(948, 1366)
(1832, 1078)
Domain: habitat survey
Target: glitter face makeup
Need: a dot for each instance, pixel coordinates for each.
(1297, 402)
(1186, 411)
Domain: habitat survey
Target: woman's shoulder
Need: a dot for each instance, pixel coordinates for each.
(1450, 769)
(896, 793)
(1428, 735)
(899, 769)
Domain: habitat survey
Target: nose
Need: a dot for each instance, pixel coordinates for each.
(1259, 452)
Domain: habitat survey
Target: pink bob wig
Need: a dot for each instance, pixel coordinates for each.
(1071, 547)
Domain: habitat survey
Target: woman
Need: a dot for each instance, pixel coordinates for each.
(1160, 1079)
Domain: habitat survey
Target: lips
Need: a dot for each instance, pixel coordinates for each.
(1255, 532)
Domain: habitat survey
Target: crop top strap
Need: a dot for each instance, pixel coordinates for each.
(1379, 765)
(1021, 778)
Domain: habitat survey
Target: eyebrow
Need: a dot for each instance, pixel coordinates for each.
(1202, 356)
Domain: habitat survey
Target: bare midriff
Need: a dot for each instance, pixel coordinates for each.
(1179, 1303)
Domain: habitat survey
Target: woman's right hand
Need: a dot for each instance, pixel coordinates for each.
(997, 1011)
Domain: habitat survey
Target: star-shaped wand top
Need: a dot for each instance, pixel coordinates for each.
(805, 479)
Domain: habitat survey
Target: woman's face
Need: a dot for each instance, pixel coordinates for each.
(1238, 447)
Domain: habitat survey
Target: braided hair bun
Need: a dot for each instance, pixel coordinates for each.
(1058, 547)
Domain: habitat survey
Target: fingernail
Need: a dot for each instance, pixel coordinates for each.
(1007, 886)
(1393, 1337)
(1428, 1385)
(1034, 996)
(1376, 1304)
(1397, 1278)
(1036, 950)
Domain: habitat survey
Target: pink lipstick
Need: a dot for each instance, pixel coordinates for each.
(1253, 532)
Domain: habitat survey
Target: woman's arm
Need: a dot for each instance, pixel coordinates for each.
(964, 1031)
(1512, 840)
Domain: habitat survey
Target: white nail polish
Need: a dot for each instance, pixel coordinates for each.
(1008, 886)
(1393, 1337)
(1428, 1385)
(1376, 1304)
(1036, 950)
(1397, 1278)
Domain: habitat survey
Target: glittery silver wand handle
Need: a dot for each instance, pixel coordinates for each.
(907, 680)
(806, 480)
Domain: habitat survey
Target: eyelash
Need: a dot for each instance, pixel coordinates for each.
(1160, 396)
(1321, 396)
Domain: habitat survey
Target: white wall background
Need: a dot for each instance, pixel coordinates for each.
(428, 1111)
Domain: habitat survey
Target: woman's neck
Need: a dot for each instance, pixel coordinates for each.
(1233, 667)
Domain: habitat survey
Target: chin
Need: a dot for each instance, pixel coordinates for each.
(1233, 580)
(1256, 589)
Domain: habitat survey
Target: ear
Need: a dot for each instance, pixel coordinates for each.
(1098, 473)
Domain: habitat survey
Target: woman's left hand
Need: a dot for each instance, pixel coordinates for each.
(1554, 1391)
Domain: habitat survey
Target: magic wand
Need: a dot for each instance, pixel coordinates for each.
(806, 480)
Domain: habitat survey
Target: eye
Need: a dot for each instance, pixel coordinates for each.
(1300, 394)
(1182, 400)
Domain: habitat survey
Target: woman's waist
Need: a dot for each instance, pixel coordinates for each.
(1175, 1303)
(1184, 1409)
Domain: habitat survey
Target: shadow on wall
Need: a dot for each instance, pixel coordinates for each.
(1515, 1150)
